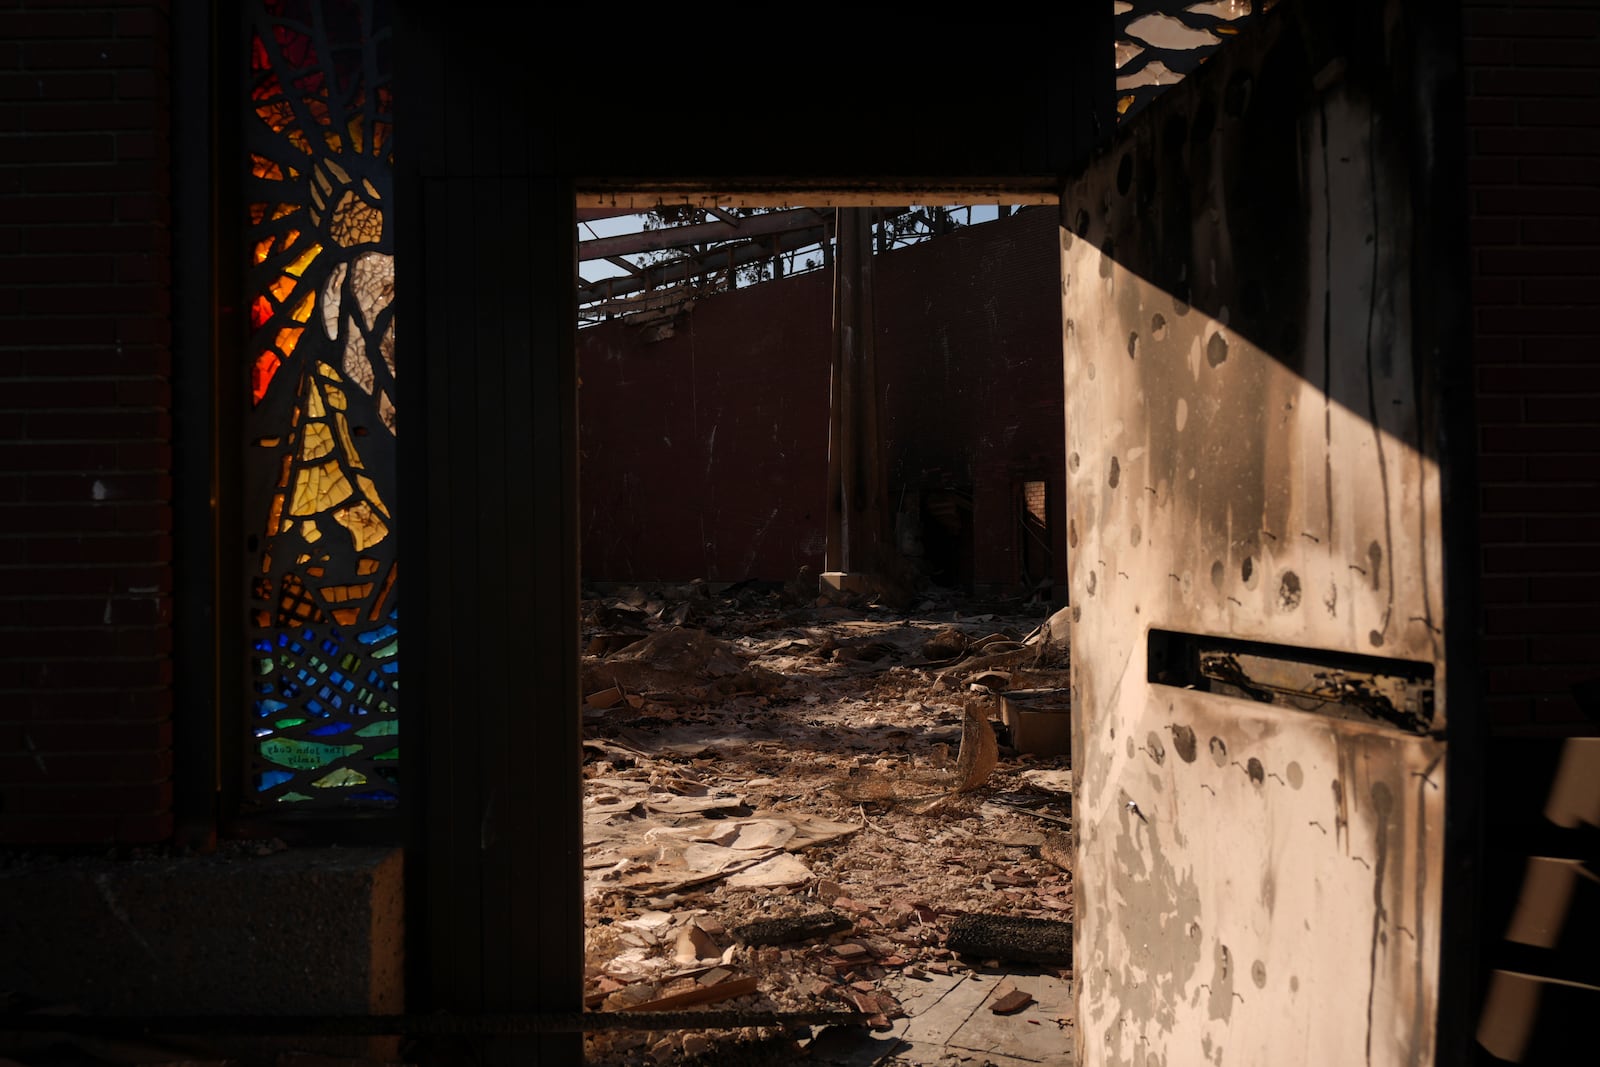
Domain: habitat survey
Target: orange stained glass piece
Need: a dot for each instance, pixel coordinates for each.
(283, 211)
(283, 470)
(346, 616)
(263, 249)
(268, 442)
(262, 167)
(283, 288)
(277, 115)
(334, 144)
(366, 565)
(340, 594)
(260, 312)
(273, 517)
(258, 211)
(383, 594)
(266, 366)
(287, 338)
(354, 129)
(299, 139)
(302, 312)
(320, 488)
(316, 572)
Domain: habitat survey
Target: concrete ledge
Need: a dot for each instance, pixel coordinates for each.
(312, 931)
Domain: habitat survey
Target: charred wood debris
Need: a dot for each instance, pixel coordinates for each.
(797, 803)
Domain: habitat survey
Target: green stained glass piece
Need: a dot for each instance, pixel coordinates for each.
(264, 666)
(393, 753)
(284, 724)
(304, 755)
(379, 729)
(387, 650)
(292, 797)
(342, 776)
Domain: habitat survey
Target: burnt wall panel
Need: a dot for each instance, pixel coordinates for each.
(1255, 380)
(704, 445)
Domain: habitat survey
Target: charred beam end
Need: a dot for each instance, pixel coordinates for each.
(1018, 938)
(788, 929)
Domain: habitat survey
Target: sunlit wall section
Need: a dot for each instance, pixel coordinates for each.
(319, 479)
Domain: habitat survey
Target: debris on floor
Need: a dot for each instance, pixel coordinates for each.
(800, 804)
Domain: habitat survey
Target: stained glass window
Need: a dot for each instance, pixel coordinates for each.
(319, 483)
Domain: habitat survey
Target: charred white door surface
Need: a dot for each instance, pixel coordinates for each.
(1258, 571)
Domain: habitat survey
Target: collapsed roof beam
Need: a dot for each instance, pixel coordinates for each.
(700, 233)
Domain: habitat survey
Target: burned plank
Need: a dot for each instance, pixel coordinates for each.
(1011, 937)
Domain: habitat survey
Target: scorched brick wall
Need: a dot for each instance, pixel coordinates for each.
(85, 489)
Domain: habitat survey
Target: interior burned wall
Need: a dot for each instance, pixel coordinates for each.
(704, 445)
(1263, 339)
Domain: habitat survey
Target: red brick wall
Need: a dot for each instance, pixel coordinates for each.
(85, 489)
(705, 454)
(1533, 106)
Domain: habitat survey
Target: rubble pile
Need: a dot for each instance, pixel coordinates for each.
(790, 801)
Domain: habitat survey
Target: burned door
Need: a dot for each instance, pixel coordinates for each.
(1260, 319)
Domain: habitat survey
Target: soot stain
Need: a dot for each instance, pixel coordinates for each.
(1289, 591)
(1183, 742)
(1155, 748)
(1219, 752)
(1257, 773)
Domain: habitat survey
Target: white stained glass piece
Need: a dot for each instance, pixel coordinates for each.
(372, 282)
(1154, 72)
(332, 294)
(1222, 9)
(1164, 31)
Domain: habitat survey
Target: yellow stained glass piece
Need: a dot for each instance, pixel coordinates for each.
(284, 211)
(302, 313)
(320, 488)
(340, 777)
(318, 441)
(366, 528)
(367, 565)
(303, 557)
(351, 454)
(300, 265)
(355, 221)
(372, 190)
(329, 372)
(314, 408)
(334, 398)
(300, 141)
(310, 533)
(386, 412)
(370, 491)
(354, 127)
(332, 138)
(338, 171)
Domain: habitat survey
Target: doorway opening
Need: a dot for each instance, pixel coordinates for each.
(804, 788)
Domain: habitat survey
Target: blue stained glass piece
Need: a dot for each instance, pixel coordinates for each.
(390, 668)
(348, 686)
(324, 692)
(374, 794)
(330, 729)
(290, 689)
(336, 700)
(269, 707)
(315, 707)
(336, 678)
(372, 637)
(264, 645)
(283, 640)
(263, 687)
(266, 780)
(263, 731)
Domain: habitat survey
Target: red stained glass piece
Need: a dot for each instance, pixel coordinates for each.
(267, 364)
(260, 312)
